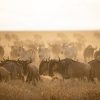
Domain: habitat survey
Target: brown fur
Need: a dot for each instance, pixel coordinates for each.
(4, 74)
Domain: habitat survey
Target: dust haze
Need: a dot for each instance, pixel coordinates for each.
(50, 39)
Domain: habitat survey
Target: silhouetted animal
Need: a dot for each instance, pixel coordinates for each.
(13, 67)
(17, 51)
(69, 68)
(79, 70)
(30, 72)
(95, 69)
(88, 53)
(70, 51)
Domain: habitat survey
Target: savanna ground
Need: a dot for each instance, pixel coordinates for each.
(50, 90)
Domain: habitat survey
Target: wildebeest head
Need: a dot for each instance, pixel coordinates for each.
(62, 66)
(54, 66)
(24, 63)
(13, 66)
(4, 61)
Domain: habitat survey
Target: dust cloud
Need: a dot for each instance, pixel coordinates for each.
(51, 40)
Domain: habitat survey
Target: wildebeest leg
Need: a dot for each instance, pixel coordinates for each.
(6, 79)
(22, 77)
(37, 78)
(91, 77)
(29, 78)
(93, 81)
(34, 82)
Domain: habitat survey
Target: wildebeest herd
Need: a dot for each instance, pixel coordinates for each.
(68, 68)
(18, 69)
(72, 69)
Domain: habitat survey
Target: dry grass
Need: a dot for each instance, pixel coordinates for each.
(50, 90)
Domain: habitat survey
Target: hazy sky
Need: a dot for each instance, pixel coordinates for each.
(49, 14)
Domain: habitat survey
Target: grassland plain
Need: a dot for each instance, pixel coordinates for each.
(50, 90)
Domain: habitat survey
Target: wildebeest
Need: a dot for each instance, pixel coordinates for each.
(88, 53)
(79, 70)
(95, 69)
(14, 52)
(13, 67)
(17, 51)
(30, 72)
(69, 68)
(55, 48)
(43, 52)
(51, 66)
(70, 51)
(4, 74)
(59, 66)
